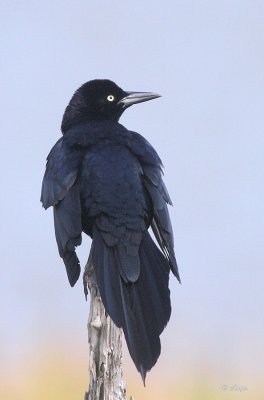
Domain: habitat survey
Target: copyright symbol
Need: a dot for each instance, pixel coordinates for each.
(224, 387)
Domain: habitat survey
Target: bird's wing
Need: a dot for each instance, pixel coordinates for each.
(61, 173)
(161, 224)
(60, 189)
(159, 196)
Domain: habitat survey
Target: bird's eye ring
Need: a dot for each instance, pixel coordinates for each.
(110, 97)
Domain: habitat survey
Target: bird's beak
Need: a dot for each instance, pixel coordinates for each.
(136, 97)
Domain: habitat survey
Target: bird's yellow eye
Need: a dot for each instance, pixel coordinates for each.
(110, 97)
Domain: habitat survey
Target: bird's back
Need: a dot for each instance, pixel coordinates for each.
(111, 182)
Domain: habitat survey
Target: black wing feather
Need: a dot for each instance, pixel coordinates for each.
(61, 173)
(60, 189)
(161, 224)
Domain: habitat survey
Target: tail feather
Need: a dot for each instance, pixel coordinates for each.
(153, 285)
(107, 278)
(141, 308)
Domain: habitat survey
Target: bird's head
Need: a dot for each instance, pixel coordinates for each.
(98, 100)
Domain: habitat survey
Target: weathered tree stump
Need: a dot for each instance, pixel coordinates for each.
(105, 340)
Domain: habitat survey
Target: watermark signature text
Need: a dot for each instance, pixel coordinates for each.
(234, 388)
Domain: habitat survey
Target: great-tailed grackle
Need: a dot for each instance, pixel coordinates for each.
(106, 181)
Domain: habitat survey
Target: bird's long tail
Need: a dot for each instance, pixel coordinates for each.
(142, 308)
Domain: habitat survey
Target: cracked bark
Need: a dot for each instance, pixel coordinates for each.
(105, 340)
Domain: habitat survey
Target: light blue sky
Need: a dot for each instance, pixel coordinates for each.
(206, 58)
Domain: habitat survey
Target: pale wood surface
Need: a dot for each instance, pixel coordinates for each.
(105, 340)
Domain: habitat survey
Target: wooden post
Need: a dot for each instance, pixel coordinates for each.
(105, 340)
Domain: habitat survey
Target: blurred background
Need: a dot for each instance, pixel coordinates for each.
(206, 58)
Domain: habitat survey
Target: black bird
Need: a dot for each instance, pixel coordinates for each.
(106, 181)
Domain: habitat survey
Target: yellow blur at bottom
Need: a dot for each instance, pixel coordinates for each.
(50, 377)
(63, 375)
